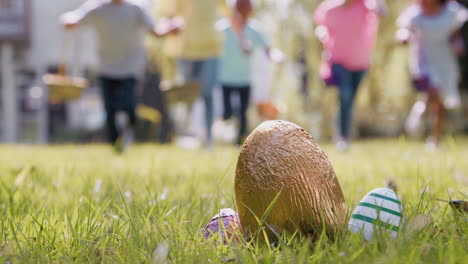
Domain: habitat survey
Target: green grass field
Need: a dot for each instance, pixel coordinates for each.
(85, 204)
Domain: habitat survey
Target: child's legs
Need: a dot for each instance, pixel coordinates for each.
(244, 94)
(128, 98)
(437, 109)
(227, 110)
(208, 78)
(357, 77)
(346, 96)
(109, 97)
(205, 72)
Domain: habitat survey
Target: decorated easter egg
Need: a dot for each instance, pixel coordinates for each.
(226, 224)
(284, 178)
(379, 209)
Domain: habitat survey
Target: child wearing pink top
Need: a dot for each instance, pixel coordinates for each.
(347, 30)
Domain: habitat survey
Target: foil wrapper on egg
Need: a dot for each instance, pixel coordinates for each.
(380, 210)
(281, 165)
(225, 224)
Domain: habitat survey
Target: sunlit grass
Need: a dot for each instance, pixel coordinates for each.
(85, 204)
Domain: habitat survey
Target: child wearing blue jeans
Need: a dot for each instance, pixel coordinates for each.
(241, 38)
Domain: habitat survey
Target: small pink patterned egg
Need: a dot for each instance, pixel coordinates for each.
(228, 227)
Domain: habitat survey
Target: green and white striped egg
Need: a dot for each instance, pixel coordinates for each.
(380, 208)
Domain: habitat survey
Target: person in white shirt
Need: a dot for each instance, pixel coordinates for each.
(430, 27)
(120, 26)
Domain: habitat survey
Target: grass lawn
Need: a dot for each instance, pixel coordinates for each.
(85, 204)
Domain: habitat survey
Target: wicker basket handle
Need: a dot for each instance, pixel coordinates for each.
(64, 49)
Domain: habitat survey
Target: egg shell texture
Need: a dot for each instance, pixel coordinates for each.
(279, 156)
(379, 208)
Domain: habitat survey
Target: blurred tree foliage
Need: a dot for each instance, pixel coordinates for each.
(384, 97)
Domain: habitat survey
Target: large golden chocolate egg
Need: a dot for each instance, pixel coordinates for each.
(281, 160)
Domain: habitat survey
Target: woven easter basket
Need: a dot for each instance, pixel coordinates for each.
(62, 86)
(65, 88)
(186, 93)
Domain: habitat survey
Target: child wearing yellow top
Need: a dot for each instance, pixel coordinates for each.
(196, 47)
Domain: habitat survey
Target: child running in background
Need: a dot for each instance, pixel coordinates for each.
(241, 39)
(120, 27)
(347, 30)
(430, 27)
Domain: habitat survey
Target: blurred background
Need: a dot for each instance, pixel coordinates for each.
(32, 45)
